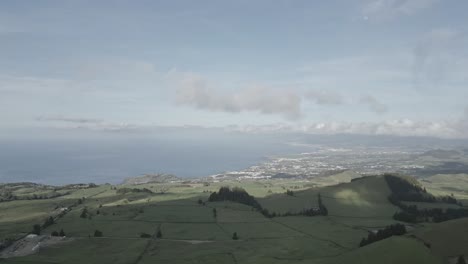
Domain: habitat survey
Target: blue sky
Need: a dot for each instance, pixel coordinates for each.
(395, 67)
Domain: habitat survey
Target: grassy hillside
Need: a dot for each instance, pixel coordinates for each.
(363, 201)
(193, 233)
(448, 238)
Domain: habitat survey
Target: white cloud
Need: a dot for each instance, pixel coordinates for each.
(380, 10)
(397, 127)
(457, 128)
(194, 91)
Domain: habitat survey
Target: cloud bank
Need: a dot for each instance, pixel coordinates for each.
(449, 129)
(194, 91)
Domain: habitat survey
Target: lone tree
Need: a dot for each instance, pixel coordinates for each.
(97, 233)
(159, 233)
(145, 235)
(62, 234)
(234, 236)
(323, 210)
(461, 260)
(36, 229)
(48, 222)
(215, 214)
(84, 213)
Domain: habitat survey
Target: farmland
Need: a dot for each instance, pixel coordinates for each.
(175, 222)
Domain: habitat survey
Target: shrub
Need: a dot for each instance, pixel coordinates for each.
(98, 233)
(145, 235)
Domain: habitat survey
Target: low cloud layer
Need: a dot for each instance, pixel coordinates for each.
(450, 129)
(399, 127)
(63, 122)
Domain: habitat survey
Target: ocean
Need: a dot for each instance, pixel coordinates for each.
(110, 160)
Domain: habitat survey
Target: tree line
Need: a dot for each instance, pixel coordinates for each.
(404, 191)
(391, 230)
(239, 195)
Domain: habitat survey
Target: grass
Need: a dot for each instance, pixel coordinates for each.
(447, 238)
(88, 250)
(400, 250)
(191, 234)
(324, 229)
(193, 231)
(361, 203)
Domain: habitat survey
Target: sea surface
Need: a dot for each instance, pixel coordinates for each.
(63, 161)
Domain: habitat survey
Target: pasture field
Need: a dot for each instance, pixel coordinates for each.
(448, 238)
(448, 184)
(367, 197)
(190, 231)
(400, 250)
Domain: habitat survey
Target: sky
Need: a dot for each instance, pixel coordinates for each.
(372, 67)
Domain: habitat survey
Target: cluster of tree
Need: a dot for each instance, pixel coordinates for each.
(48, 222)
(159, 232)
(50, 195)
(9, 196)
(403, 190)
(84, 213)
(289, 192)
(4, 243)
(80, 186)
(55, 233)
(461, 260)
(450, 200)
(392, 230)
(145, 235)
(201, 202)
(98, 233)
(36, 229)
(320, 210)
(237, 195)
(412, 214)
(133, 190)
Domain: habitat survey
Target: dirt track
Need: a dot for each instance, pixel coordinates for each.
(30, 245)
